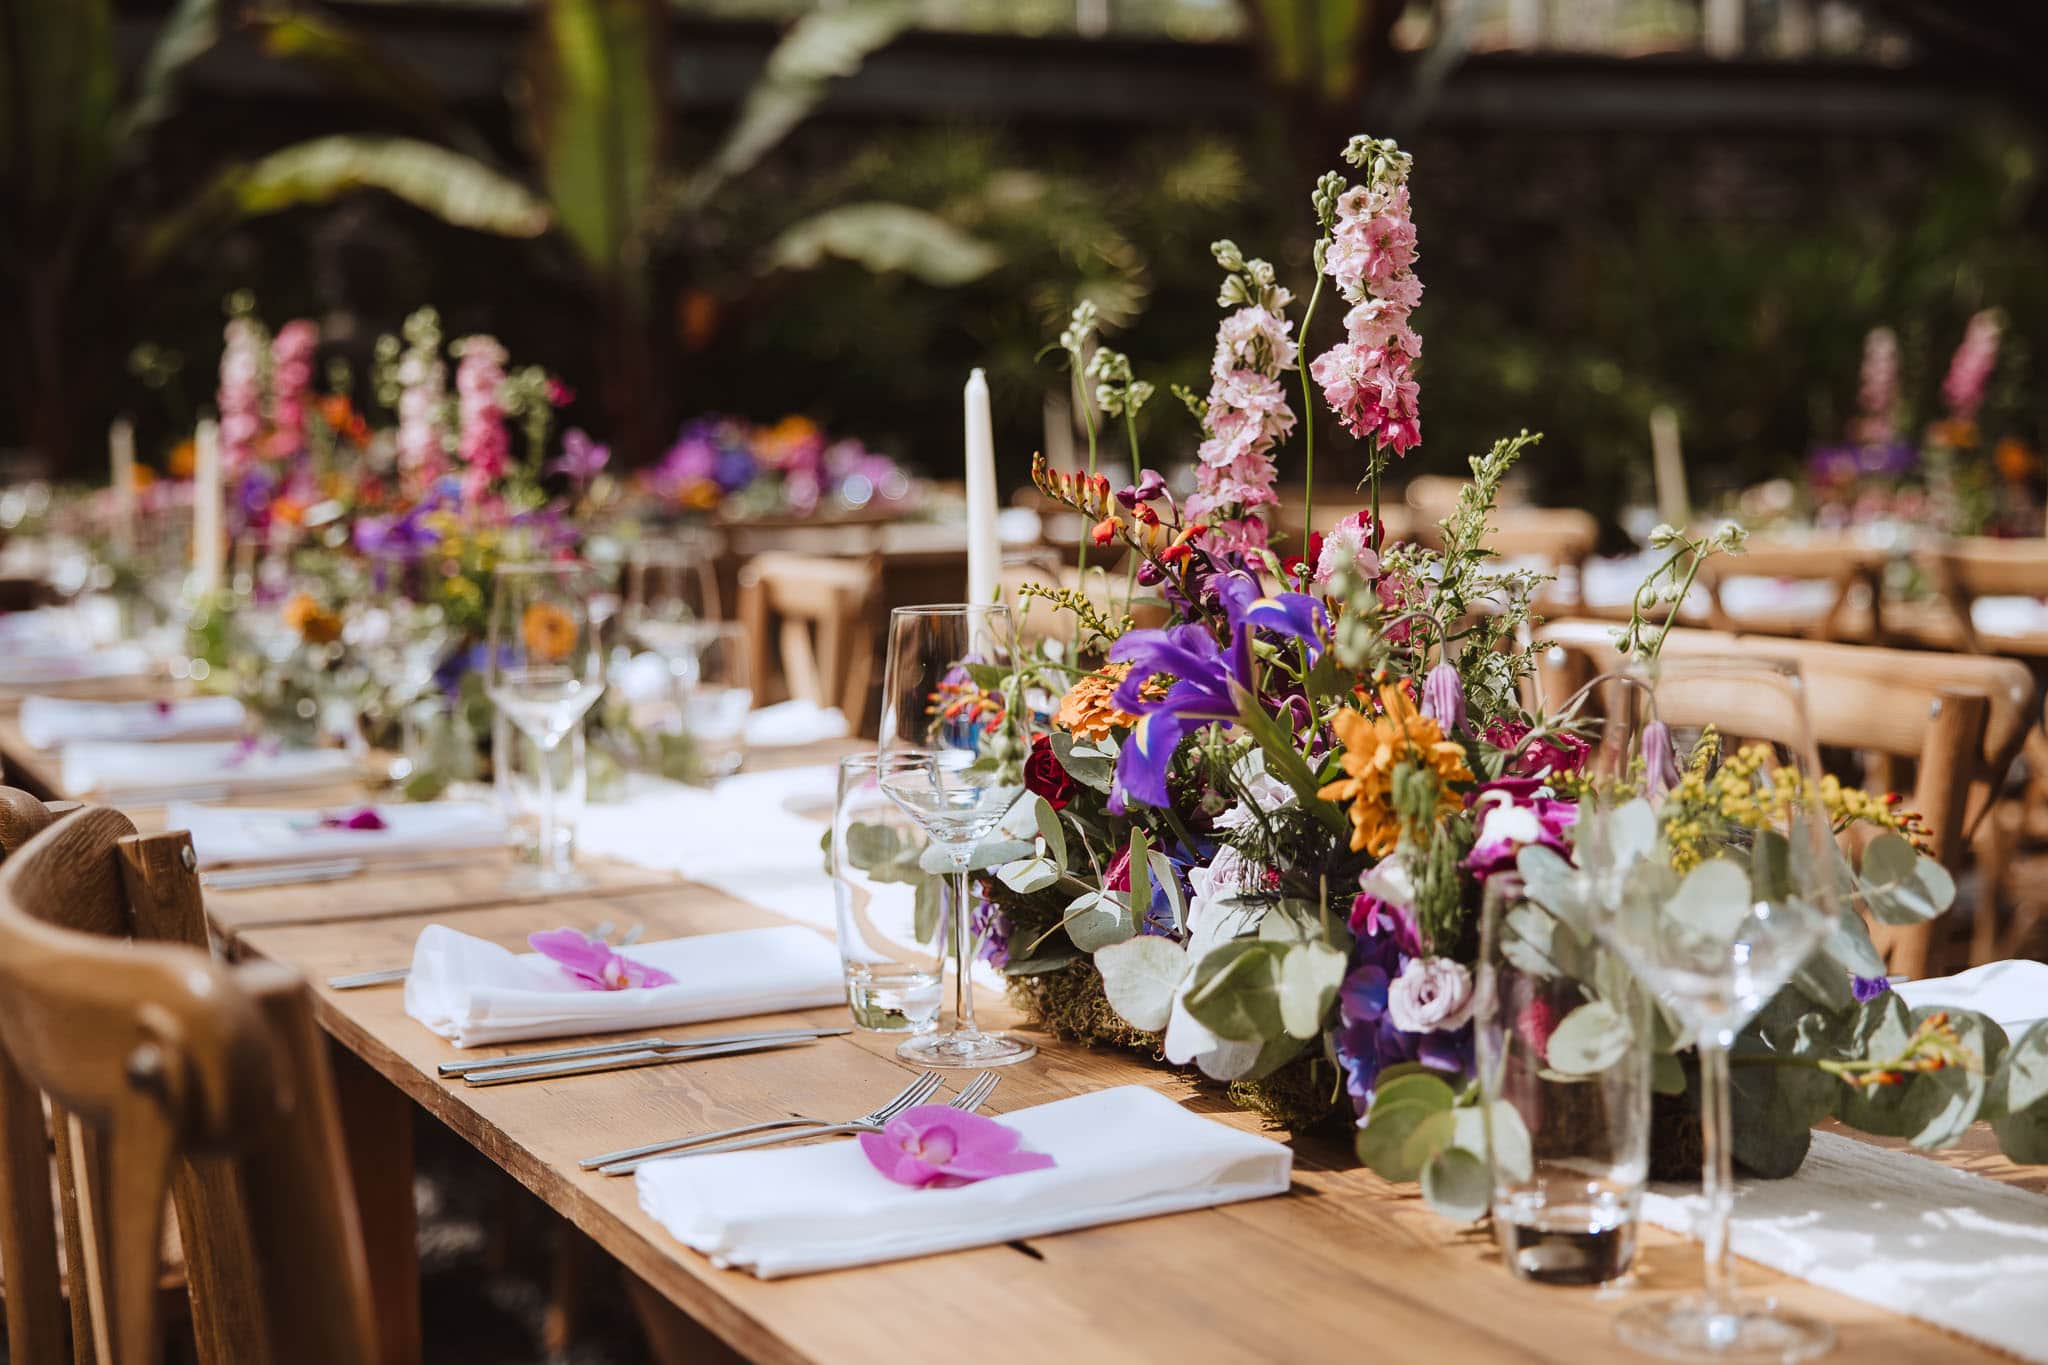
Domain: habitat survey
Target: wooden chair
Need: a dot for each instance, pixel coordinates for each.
(821, 620)
(165, 1072)
(1961, 719)
(1850, 572)
(1967, 569)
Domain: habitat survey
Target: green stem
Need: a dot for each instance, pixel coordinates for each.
(1137, 473)
(1088, 424)
(1308, 419)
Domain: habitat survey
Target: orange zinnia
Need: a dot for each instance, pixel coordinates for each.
(549, 632)
(1089, 710)
(1374, 746)
(315, 624)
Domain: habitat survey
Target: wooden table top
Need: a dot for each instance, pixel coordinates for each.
(1345, 1262)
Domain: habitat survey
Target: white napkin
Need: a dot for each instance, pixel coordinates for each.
(113, 769)
(47, 722)
(1124, 1153)
(794, 722)
(39, 667)
(2013, 992)
(1958, 1250)
(476, 992)
(2009, 615)
(239, 834)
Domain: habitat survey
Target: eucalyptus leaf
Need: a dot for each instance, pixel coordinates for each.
(1590, 1039)
(2022, 1127)
(1038, 964)
(871, 846)
(1048, 821)
(1384, 1138)
(1275, 1054)
(1508, 1142)
(1096, 919)
(1458, 1185)
(1140, 874)
(1236, 991)
(1712, 902)
(1421, 1086)
(1900, 885)
(1026, 875)
(1433, 1135)
(928, 903)
(1775, 1108)
(1140, 977)
(1164, 874)
(1310, 974)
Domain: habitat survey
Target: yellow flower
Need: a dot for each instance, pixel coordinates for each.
(548, 631)
(1374, 746)
(315, 624)
(1089, 710)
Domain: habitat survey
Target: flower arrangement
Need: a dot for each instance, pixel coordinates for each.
(742, 472)
(1256, 839)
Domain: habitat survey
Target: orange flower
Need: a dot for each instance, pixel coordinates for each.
(1104, 531)
(549, 632)
(288, 511)
(343, 419)
(2014, 459)
(1088, 711)
(315, 624)
(1374, 746)
(1957, 433)
(184, 455)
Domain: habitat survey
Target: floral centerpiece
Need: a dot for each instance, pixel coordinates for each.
(738, 471)
(1255, 840)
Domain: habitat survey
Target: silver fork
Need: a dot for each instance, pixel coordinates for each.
(917, 1092)
(970, 1098)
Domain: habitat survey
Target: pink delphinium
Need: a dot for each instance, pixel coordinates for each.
(1366, 378)
(1347, 547)
(1248, 413)
(485, 447)
(240, 397)
(1878, 391)
(291, 381)
(1970, 371)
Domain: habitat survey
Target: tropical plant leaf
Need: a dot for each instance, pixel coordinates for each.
(350, 62)
(885, 238)
(823, 46)
(597, 116)
(58, 111)
(449, 185)
(192, 28)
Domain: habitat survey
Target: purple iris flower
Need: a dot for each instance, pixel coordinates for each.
(405, 537)
(1150, 487)
(1368, 1042)
(582, 459)
(1867, 987)
(1206, 677)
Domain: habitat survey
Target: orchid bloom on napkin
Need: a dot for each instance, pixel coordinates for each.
(938, 1145)
(365, 818)
(591, 963)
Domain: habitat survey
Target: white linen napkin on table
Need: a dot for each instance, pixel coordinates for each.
(1961, 1251)
(39, 666)
(47, 722)
(475, 992)
(790, 723)
(2014, 993)
(1124, 1153)
(111, 769)
(241, 834)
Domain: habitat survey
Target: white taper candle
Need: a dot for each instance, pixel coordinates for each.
(207, 545)
(984, 548)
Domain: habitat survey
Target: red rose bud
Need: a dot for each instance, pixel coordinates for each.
(1044, 776)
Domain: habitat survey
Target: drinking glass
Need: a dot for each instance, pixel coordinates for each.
(517, 781)
(1567, 1127)
(1715, 919)
(953, 759)
(894, 922)
(671, 598)
(543, 671)
(717, 693)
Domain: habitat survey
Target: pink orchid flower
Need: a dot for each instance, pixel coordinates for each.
(591, 963)
(940, 1146)
(364, 819)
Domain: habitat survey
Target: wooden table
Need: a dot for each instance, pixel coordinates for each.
(1347, 1264)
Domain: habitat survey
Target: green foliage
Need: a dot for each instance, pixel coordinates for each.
(886, 239)
(599, 85)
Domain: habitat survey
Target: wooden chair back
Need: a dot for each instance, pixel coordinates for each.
(821, 620)
(1980, 566)
(161, 1067)
(1841, 563)
(1960, 718)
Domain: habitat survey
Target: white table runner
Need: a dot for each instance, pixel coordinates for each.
(1961, 1251)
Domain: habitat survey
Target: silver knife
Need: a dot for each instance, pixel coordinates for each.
(621, 1061)
(388, 976)
(563, 1054)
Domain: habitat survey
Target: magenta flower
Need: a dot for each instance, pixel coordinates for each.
(582, 459)
(364, 819)
(1969, 372)
(1660, 760)
(591, 963)
(291, 384)
(938, 1145)
(1366, 378)
(240, 395)
(1443, 697)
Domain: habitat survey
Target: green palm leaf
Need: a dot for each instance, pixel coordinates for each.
(885, 238)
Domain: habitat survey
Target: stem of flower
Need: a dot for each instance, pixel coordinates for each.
(1088, 425)
(1308, 418)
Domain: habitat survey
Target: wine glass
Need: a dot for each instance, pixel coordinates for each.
(671, 599)
(952, 756)
(1714, 912)
(544, 670)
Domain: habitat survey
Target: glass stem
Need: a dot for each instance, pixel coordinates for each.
(1717, 1182)
(550, 849)
(963, 949)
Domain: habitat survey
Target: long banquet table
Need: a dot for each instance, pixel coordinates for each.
(1345, 1263)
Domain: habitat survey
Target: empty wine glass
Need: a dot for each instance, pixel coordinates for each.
(1712, 871)
(544, 670)
(952, 756)
(671, 599)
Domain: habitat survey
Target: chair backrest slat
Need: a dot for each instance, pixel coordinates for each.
(823, 617)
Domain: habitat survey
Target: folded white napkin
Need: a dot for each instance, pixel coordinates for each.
(239, 834)
(794, 722)
(476, 992)
(39, 667)
(1898, 1230)
(112, 769)
(47, 722)
(1124, 1153)
(2009, 615)
(2013, 992)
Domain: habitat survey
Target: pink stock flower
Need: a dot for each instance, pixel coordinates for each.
(240, 395)
(1348, 546)
(1878, 388)
(939, 1146)
(1371, 255)
(423, 389)
(1970, 371)
(291, 380)
(485, 448)
(591, 963)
